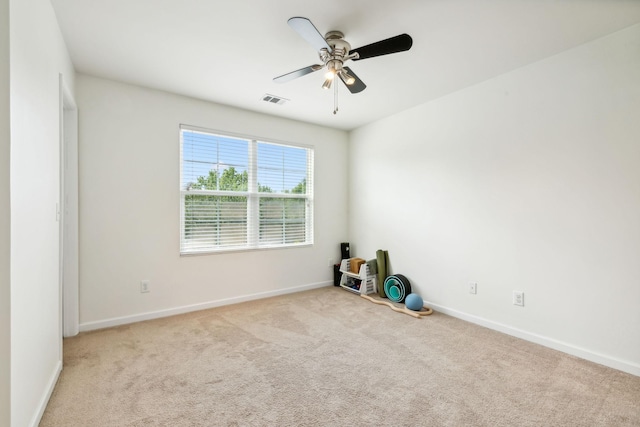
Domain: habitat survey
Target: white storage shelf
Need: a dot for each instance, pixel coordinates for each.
(362, 283)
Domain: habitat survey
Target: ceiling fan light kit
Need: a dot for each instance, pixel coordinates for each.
(347, 78)
(334, 51)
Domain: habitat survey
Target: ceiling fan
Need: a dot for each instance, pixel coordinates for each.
(334, 51)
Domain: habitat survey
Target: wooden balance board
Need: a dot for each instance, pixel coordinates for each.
(417, 314)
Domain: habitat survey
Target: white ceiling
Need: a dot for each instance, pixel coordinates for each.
(229, 51)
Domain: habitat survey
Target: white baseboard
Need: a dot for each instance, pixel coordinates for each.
(44, 400)
(612, 362)
(107, 323)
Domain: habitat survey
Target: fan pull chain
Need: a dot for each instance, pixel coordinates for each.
(335, 98)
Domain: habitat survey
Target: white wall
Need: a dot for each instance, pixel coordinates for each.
(129, 207)
(529, 181)
(38, 56)
(5, 222)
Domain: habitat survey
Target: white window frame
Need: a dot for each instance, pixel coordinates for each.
(253, 196)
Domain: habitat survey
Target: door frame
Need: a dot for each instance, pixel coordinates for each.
(69, 220)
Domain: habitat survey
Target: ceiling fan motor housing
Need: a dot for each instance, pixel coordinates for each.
(339, 50)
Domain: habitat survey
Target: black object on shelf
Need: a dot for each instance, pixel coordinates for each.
(344, 247)
(336, 275)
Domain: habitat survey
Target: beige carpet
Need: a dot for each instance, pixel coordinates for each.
(328, 358)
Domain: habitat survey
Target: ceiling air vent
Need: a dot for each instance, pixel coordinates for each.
(273, 99)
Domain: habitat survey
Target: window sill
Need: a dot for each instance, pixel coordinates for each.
(239, 250)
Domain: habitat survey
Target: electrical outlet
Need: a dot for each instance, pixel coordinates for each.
(145, 286)
(518, 298)
(330, 262)
(473, 288)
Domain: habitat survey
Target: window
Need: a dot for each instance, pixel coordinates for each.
(241, 193)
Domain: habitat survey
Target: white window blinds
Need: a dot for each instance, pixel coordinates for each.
(241, 193)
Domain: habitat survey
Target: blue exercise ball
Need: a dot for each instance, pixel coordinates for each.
(414, 302)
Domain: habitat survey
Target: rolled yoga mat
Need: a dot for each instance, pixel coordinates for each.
(383, 259)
